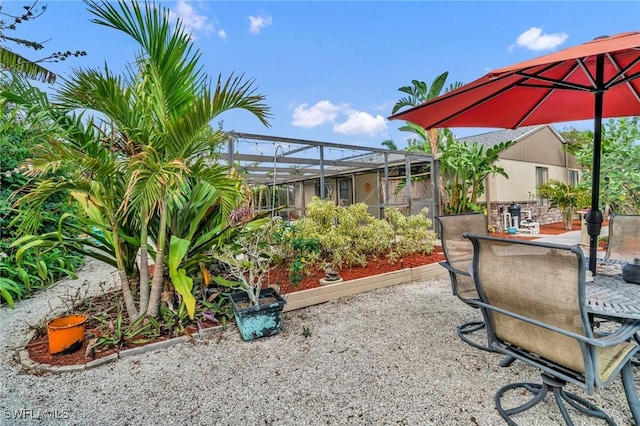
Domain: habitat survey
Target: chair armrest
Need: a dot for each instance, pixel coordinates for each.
(625, 332)
(622, 334)
(450, 268)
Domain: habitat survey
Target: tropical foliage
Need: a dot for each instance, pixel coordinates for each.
(426, 141)
(418, 93)
(565, 197)
(348, 236)
(248, 258)
(40, 267)
(619, 177)
(464, 168)
(142, 157)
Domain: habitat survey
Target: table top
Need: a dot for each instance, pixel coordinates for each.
(610, 295)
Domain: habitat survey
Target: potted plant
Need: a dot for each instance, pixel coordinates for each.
(257, 310)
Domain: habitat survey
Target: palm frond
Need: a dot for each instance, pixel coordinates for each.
(14, 63)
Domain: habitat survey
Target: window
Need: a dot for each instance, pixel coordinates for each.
(542, 176)
(573, 178)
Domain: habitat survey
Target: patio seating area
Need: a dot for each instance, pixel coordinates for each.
(534, 300)
(390, 356)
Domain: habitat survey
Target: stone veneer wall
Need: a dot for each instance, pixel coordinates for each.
(542, 214)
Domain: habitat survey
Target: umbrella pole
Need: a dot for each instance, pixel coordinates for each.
(594, 216)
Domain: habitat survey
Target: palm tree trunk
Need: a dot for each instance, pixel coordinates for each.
(433, 140)
(129, 303)
(144, 265)
(158, 272)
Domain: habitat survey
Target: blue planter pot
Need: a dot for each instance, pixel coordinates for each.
(258, 321)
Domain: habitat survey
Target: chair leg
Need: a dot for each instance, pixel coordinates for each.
(473, 326)
(539, 391)
(630, 392)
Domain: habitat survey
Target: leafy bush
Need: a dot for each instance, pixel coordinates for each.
(348, 236)
(300, 251)
(565, 197)
(412, 233)
(39, 268)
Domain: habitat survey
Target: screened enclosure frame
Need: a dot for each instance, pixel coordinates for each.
(284, 165)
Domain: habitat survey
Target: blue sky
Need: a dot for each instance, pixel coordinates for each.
(330, 71)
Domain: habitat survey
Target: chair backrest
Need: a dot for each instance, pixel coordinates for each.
(458, 250)
(543, 282)
(624, 237)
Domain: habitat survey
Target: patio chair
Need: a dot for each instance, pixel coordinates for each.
(533, 299)
(624, 237)
(458, 253)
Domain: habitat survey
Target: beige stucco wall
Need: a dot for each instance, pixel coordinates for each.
(522, 180)
(368, 197)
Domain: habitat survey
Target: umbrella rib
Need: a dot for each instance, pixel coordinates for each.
(627, 79)
(480, 101)
(557, 84)
(532, 110)
(621, 71)
(462, 90)
(586, 72)
(621, 78)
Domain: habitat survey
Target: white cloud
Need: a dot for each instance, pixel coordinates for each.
(257, 23)
(194, 22)
(324, 112)
(312, 116)
(534, 39)
(361, 123)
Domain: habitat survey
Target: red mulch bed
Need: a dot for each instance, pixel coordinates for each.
(280, 276)
(38, 347)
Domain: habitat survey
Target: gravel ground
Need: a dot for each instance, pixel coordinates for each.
(389, 356)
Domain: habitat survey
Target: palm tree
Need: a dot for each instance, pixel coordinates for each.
(417, 94)
(425, 141)
(156, 121)
(389, 144)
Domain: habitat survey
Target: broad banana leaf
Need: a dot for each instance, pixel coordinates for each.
(183, 284)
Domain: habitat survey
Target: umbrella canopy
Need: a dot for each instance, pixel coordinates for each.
(597, 79)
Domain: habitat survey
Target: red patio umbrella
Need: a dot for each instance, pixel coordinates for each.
(594, 80)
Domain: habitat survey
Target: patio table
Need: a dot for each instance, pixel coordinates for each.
(610, 295)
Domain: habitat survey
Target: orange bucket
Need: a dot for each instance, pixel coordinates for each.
(66, 334)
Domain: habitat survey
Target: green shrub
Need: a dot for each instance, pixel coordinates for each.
(412, 233)
(39, 268)
(348, 236)
(299, 250)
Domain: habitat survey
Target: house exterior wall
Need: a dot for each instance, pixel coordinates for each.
(542, 146)
(366, 191)
(521, 184)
